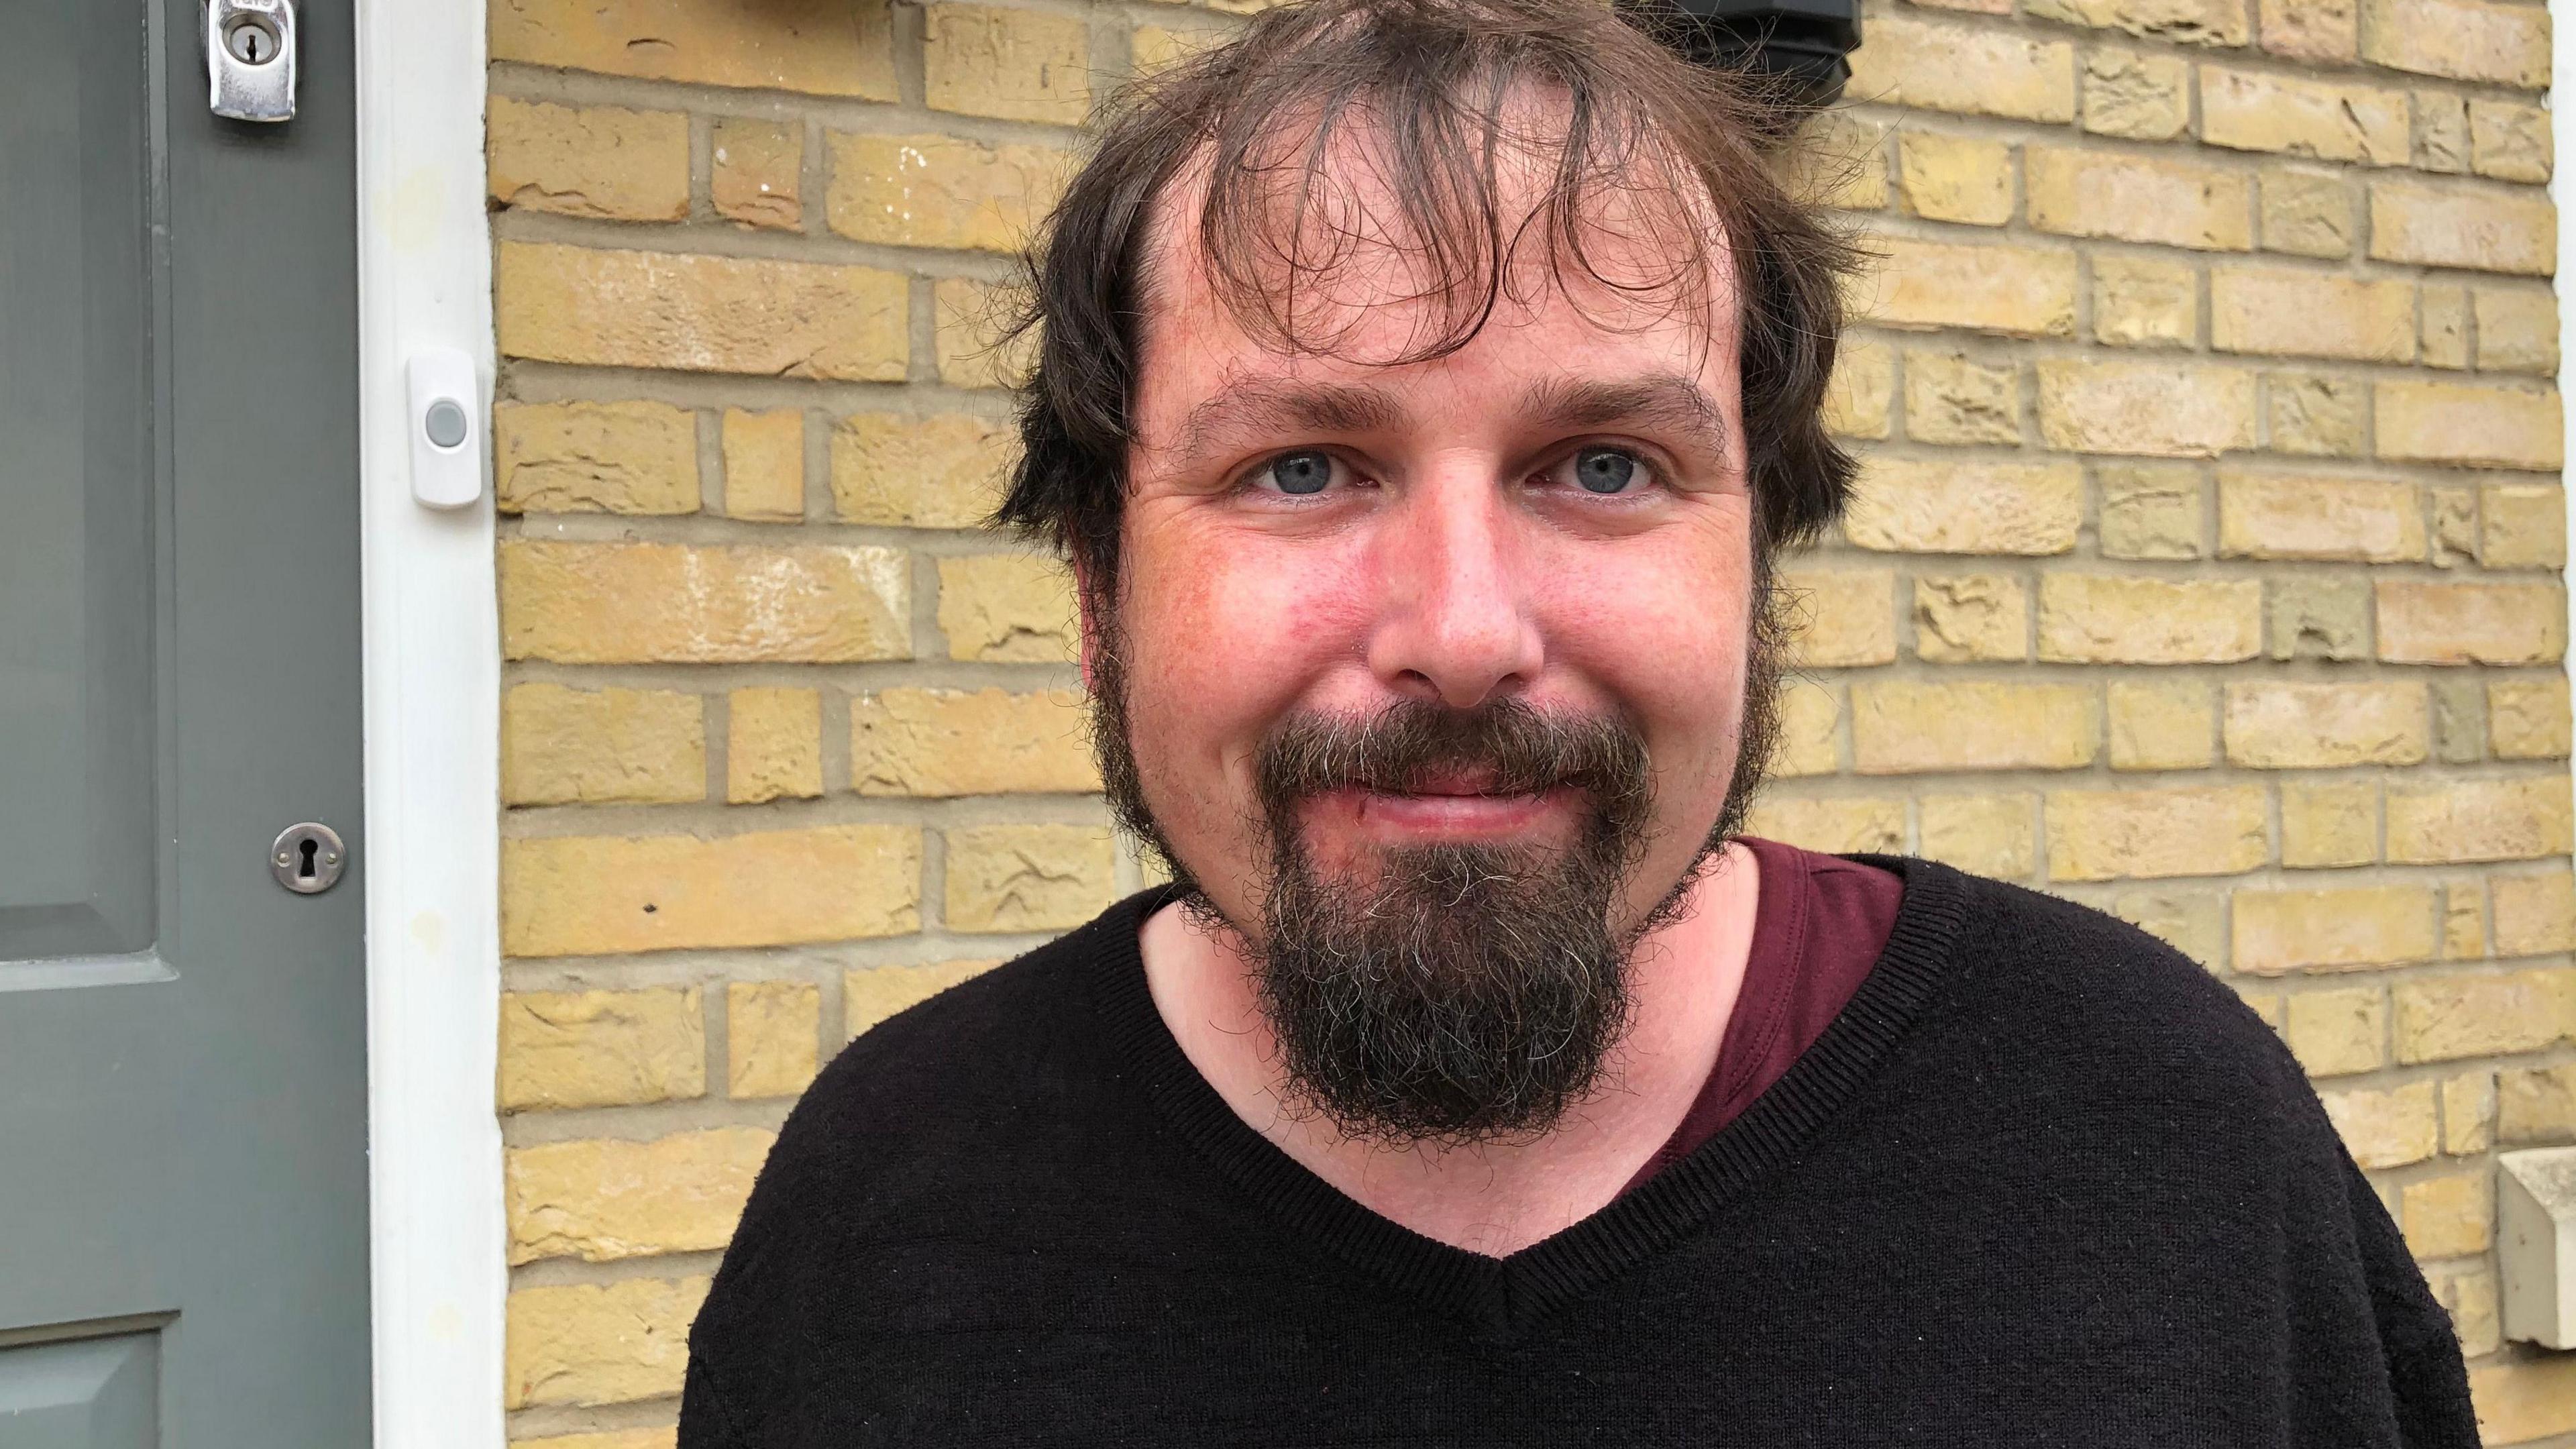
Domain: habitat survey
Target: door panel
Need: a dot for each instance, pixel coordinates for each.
(182, 1067)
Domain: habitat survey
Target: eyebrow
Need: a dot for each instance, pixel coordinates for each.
(1666, 401)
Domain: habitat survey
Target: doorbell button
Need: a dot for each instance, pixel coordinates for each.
(446, 451)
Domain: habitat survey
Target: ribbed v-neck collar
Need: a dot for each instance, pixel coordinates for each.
(1499, 1297)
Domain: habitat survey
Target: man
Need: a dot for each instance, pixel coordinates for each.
(1425, 388)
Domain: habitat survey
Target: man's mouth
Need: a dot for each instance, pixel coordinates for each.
(1445, 807)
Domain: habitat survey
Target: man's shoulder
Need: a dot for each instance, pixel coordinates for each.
(2084, 993)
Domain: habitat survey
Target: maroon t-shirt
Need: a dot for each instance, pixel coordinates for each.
(1818, 928)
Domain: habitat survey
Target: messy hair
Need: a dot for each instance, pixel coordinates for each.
(1431, 92)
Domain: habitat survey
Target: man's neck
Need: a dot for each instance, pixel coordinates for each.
(1494, 1199)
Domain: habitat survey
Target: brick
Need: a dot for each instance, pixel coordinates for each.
(2332, 930)
(593, 895)
(813, 46)
(586, 1344)
(1007, 608)
(2468, 1113)
(971, 325)
(2190, 22)
(2159, 724)
(700, 314)
(2470, 40)
(1028, 877)
(941, 191)
(2465, 423)
(2012, 290)
(946, 470)
(2328, 30)
(774, 745)
(2314, 314)
(636, 603)
(1902, 727)
(1838, 826)
(2459, 726)
(2140, 95)
(2148, 834)
(2510, 142)
(2464, 922)
(600, 1201)
(586, 457)
(939, 742)
(2527, 718)
(1954, 399)
(2474, 820)
(601, 161)
(2441, 132)
(2318, 517)
(1981, 72)
(2447, 623)
(2535, 915)
(2253, 111)
(1990, 835)
(2438, 225)
(1966, 617)
(2309, 617)
(2329, 823)
(562, 746)
(2314, 415)
(1810, 730)
(2450, 1017)
(666, 1437)
(1955, 178)
(2336, 1033)
(1858, 400)
(872, 994)
(2536, 1105)
(772, 1029)
(2172, 410)
(1021, 65)
(2386, 1129)
(2115, 619)
(2138, 302)
(2517, 329)
(1840, 619)
(1844, 163)
(2451, 1216)
(2469, 1296)
(1152, 49)
(2305, 212)
(757, 172)
(2140, 198)
(2445, 312)
(1935, 506)
(2522, 526)
(2525, 1400)
(2149, 511)
(764, 464)
(2191, 922)
(565, 1049)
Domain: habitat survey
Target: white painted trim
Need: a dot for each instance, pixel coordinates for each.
(433, 677)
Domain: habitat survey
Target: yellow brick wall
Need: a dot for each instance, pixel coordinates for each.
(2206, 567)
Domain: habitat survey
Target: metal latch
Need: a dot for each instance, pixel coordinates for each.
(250, 59)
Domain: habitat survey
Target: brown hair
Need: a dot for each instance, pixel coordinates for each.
(1432, 81)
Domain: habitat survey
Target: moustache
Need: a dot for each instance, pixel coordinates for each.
(1501, 747)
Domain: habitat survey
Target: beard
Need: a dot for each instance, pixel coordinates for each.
(1455, 993)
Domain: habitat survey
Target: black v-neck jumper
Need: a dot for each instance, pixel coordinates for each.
(2043, 1181)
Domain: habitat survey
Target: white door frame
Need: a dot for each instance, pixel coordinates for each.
(433, 672)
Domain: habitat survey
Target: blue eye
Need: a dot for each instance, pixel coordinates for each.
(1604, 470)
(1301, 472)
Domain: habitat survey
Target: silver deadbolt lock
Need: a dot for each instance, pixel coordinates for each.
(308, 858)
(250, 59)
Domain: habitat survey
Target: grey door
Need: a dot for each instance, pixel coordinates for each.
(183, 1177)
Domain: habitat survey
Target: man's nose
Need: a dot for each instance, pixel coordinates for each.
(1455, 624)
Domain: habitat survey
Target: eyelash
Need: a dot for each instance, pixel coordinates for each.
(1255, 478)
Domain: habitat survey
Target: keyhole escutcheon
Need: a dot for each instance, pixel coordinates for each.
(307, 858)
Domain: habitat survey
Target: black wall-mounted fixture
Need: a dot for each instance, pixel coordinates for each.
(1799, 45)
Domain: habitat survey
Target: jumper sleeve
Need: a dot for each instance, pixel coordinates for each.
(704, 1424)
(2425, 1374)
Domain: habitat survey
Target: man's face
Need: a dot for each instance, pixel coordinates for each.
(1369, 613)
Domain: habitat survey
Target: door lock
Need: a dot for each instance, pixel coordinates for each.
(308, 858)
(250, 59)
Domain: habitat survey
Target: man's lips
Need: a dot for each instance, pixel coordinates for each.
(1456, 807)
